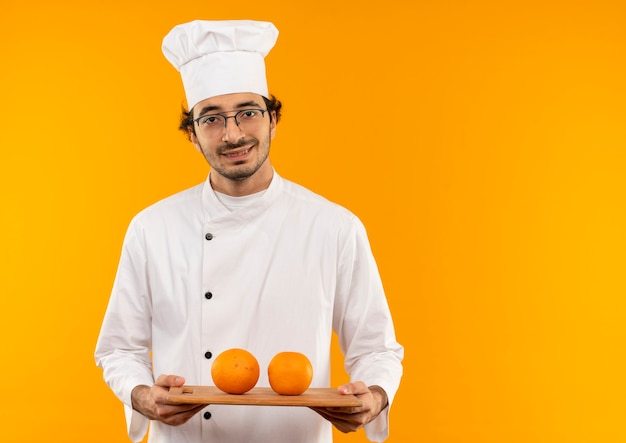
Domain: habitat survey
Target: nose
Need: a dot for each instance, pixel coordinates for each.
(232, 131)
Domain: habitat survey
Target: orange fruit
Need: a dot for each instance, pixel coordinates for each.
(235, 371)
(290, 373)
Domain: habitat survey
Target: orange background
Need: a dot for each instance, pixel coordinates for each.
(482, 144)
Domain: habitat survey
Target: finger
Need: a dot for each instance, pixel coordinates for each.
(340, 422)
(168, 410)
(182, 416)
(168, 381)
(357, 388)
(340, 412)
(189, 410)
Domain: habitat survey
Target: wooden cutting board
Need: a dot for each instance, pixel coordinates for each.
(314, 397)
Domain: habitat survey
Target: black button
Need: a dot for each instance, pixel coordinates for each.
(208, 296)
(207, 415)
(208, 355)
(209, 236)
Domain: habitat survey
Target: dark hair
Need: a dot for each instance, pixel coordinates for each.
(186, 118)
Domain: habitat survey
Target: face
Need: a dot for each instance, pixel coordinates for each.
(233, 154)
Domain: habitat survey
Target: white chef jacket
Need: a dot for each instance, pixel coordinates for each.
(280, 274)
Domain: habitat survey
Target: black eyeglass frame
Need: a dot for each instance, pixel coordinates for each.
(226, 117)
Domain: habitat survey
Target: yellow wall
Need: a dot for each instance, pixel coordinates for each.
(482, 143)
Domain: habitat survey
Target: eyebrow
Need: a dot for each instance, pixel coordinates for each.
(212, 108)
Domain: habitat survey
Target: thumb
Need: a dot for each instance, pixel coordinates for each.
(345, 389)
(356, 388)
(168, 381)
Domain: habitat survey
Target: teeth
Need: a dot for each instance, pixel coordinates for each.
(237, 154)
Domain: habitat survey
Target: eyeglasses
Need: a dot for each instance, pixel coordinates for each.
(248, 120)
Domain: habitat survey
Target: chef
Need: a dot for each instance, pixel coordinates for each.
(248, 260)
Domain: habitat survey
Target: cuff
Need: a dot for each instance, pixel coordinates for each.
(136, 424)
(378, 429)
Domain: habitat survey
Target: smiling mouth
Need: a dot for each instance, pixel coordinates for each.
(235, 154)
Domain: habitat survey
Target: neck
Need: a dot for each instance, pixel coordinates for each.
(257, 182)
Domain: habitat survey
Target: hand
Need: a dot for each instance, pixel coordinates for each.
(350, 419)
(151, 401)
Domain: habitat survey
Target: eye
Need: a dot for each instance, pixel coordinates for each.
(248, 114)
(210, 119)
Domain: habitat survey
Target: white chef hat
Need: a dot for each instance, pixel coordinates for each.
(220, 57)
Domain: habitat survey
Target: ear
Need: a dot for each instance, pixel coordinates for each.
(194, 141)
(272, 124)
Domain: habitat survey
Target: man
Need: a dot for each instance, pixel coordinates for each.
(248, 260)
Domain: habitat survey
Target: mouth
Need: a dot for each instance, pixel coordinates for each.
(237, 154)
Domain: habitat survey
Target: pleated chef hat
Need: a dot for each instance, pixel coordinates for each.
(220, 57)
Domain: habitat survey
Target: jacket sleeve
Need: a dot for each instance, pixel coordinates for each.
(123, 347)
(363, 322)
